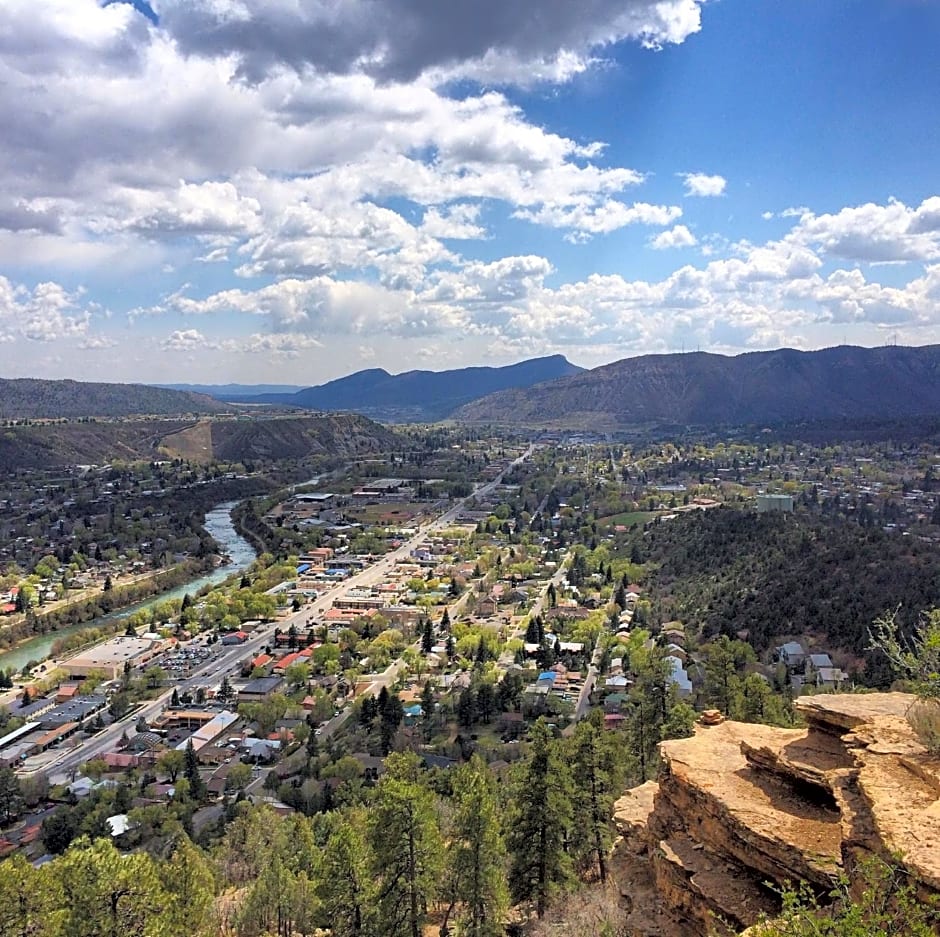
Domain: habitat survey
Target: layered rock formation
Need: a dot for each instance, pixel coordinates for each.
(741, 809)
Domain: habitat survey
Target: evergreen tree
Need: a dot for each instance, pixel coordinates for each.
(406, 848)
(106, 894)
(391, 714)
(467, 708)
(427, 700)
(594, 766)
(345, 885)
(197, 787)
(445, 621)
(427, 636)
(28, 899)
(187, 879)
(539, 822)
(225, 690)
(11, 797)
(476, 854)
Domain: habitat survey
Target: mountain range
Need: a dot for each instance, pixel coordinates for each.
(701, 389)
(228, 391)
(415, 396)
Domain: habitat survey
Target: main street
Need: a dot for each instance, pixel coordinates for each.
(63, 764)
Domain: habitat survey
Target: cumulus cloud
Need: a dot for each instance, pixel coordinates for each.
(679, 236)
(185, 340)
(457, 222)
(401, 40)
(873, 233)
(42, 314)
(701, 185)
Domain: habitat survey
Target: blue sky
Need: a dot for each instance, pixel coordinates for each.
(243, 191)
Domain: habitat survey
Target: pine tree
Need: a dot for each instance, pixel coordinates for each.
(406, 848)
(594, 768)
(11, 797)
(345, 885)
(539, 822)
(27, 898)
(187, 879)
(476, 855)
(197, 786)
(427, 637)
(106, 894)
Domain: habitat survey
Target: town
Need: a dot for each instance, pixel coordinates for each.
(443, 610)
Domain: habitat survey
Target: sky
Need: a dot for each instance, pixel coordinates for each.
(258, 191)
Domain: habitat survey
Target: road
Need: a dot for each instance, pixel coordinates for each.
(60, 767)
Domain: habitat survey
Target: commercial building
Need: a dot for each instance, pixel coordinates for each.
(111, 656)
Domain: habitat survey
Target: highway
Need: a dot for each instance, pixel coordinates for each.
(65, 763)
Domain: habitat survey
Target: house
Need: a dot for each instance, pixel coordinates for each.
(118, 824)
(792, 654)
(678, 677)
(816, 662)
(830, 678)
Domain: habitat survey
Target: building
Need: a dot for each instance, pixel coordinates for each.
(774, 503)
(792, 654)
(678, 677)
(257, 690)
(206, 734)
(234, 637)
(111, 657)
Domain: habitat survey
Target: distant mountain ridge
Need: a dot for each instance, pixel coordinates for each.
(33, 399)
(702, 389)
(227, 391)
(417, 395)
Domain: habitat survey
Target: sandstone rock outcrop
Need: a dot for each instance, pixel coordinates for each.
(741, 809)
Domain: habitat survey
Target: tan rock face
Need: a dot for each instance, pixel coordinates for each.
(739, 805)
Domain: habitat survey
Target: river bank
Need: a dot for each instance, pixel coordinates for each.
(218, 524)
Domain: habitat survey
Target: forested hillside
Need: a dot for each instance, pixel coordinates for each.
(79, 443)
(31, 398)
(450, 848)
(782, 574)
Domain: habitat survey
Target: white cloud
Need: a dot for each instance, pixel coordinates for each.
(43, 314)
(97, 343)
(679, 236)
(873, 233)
(457, 222)
(701, 185)
(587, 219)
(185, 340)
(398, 40)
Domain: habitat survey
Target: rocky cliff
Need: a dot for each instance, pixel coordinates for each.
(740, 809)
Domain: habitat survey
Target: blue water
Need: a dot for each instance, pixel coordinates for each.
(219, 526)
